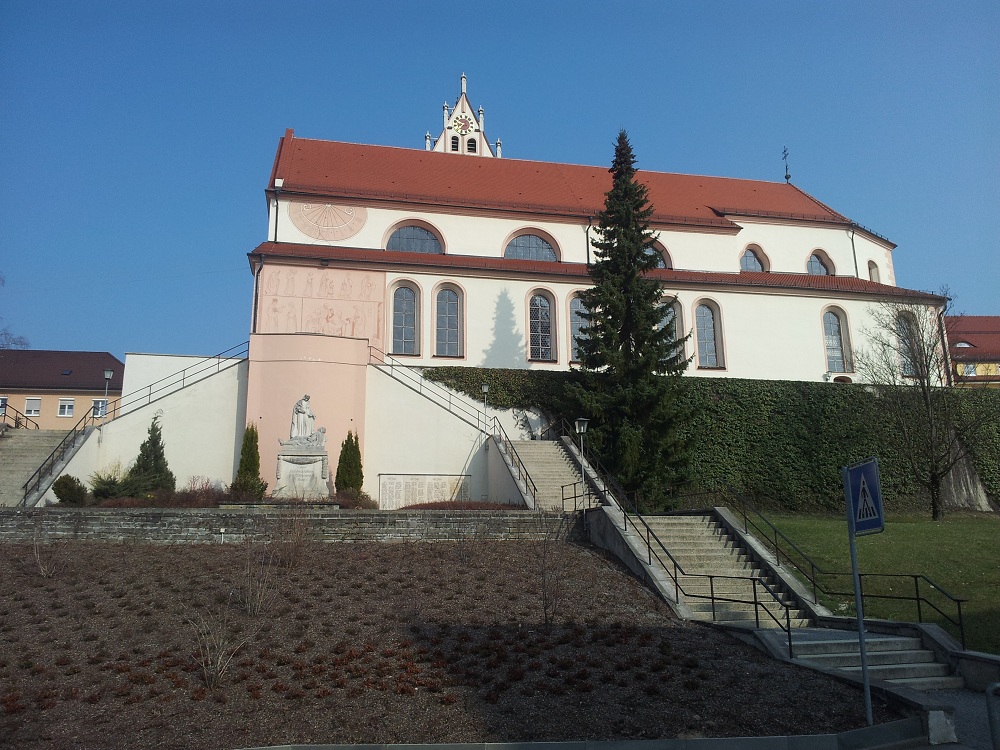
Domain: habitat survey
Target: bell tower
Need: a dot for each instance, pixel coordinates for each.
(464, 133)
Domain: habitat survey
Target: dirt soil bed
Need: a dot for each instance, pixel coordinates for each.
(371, 643)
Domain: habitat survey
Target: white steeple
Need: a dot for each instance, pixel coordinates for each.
(464, 132)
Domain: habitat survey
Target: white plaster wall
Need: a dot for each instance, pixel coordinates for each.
(152, 376)
(408, 434)
(202, 428)
(787, 245)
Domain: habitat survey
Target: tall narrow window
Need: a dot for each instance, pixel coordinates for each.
(404, 321)
(529, 247)
(454, 143)
(540, 325)
(873, 273)
(909, 346)
(576, 325)
(100, 408)
(3, 405)
(837, 359)
(671, 321)
(449, 324)
(707, 335)
(414, 239)
(471, 146)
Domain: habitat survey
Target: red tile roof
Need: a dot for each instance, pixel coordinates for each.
(63, 371)
(982, 331)
(380, 173)
(578, 271)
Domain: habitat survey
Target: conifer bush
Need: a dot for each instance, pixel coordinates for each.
(248, 484)
(150, 472)
(349, 471)
(70, 490)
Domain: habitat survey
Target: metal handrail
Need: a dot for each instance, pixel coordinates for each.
(613, 491)
(21, 420)
(454, 402)
(811, 571)
(112, 409)
(506, 445)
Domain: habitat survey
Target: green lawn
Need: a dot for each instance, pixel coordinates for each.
(961, 554)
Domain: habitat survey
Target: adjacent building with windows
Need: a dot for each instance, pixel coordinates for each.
(54, 389)
(974, 349)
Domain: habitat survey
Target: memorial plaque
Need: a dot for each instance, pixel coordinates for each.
(400, 490)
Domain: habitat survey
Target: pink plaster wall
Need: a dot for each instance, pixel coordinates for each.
(284, 367)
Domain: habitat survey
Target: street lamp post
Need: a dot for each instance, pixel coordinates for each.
(108, 374)
(486, 390)
(581, 430)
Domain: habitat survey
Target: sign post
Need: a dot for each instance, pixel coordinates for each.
(863, 493)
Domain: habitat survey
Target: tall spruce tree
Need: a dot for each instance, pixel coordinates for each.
(350, 475)
(629, 349)
(248, 483)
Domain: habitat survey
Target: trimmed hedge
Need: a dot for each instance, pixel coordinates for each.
(781, 441)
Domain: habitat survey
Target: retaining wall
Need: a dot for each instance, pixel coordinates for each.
(200, 525)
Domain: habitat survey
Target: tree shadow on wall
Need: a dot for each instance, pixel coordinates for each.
(507, 347)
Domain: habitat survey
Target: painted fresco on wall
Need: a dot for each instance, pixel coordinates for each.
(323, 300)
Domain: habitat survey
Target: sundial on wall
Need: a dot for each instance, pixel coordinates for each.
(326, 221)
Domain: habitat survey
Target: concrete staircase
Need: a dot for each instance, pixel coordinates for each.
(550, 467)
(897, 660)
(21, 453)
(702, 548)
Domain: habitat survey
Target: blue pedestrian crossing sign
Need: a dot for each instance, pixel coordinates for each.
(863, 492)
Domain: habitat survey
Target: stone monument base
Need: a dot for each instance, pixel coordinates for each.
(302, 473)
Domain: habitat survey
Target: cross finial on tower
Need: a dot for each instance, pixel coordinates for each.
(784, 155)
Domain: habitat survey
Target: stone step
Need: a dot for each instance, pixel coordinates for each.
(805, 647)
(946, 682)
(847, 659)
(902, 671)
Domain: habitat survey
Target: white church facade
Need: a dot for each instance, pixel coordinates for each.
(382, 258)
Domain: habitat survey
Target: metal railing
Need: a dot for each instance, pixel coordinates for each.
(874, 586)
(466, 410)
(610, 491)
(141, 397)
(16, 419)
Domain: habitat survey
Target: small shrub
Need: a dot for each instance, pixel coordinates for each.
(248, 486)
(70, 490)
(349, 472)
(353, 499)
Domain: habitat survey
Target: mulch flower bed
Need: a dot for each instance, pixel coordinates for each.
(229, 646)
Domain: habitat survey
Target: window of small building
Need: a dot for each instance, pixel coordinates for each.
(414, 239)
(529, 247)
(99, 408)
(32, 407)
(65, 407)
(969, 369)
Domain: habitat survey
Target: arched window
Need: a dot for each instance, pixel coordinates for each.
(873, 273)
(414, 239)
(454, 143)
(576, 325)
(655, 252)
(909, 346)
(819, 266)
(529, 247)
(448, 342)
(838, 348)
(404, 320)
(707, 334)
(671, 321)
(540, 328)
(471, 146)
(751, 261)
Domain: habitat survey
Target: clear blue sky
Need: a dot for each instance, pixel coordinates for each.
(136, 138)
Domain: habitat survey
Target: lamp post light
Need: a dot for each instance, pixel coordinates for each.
(581, 430)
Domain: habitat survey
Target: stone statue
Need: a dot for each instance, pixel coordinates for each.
(303, 420)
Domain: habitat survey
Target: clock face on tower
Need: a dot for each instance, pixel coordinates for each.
(463, 124)
(325, 221)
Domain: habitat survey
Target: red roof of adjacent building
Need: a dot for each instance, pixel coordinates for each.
(63, 371)
(981, 331)
(380, 173)
(495, 266)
